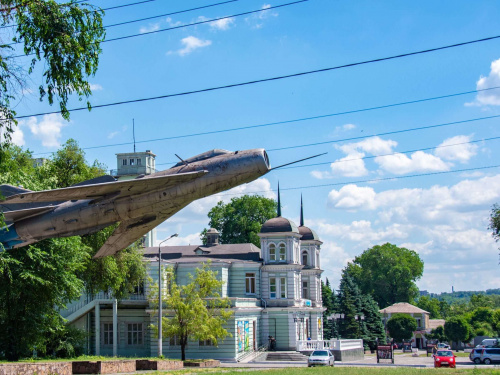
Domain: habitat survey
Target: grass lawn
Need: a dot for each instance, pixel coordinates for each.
(342, 371)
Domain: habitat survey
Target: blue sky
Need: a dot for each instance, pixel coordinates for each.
(444, 217)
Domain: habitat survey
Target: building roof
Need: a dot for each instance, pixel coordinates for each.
(307, 234)
(404, 308)
(279, 224)
(434, 323)
(200, 253)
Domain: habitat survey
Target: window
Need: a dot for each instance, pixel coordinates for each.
(282, 252)
(305, 290)
(272, 253)
(132, 161)
(139, 162)
(206, 343)
(134, 334)
(124, 162)
(250, 283)
(304, 258)
(276, 285)
(418, 322)
(107, 330)
(283, 287)
(272, 287)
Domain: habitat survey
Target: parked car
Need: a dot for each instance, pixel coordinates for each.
(442, 345)
(475, 355)
(488, 343)
(444, 358)
(489, 355)
(321, 358)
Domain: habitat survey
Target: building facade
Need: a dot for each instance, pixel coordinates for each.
(274, 291)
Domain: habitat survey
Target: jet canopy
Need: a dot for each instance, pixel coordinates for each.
(204, 156)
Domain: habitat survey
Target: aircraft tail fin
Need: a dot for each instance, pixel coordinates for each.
(8, 190)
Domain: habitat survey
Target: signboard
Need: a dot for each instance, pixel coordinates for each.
(406, 346)
(385, 352)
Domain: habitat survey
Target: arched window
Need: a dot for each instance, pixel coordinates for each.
(272, 252)
(305, 258)
(282, 252)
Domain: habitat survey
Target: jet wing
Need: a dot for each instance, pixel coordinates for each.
(13, 216)
(118, 189)
(127, 233)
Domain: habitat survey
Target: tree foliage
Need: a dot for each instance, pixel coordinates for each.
(64, 38)
(36, 280)
(437, 334)
(457, 329)
(199, 312)
(401, 327)
(388, 273)
(240, 220)
(495, 222)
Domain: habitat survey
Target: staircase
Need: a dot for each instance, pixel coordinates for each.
(286, 356)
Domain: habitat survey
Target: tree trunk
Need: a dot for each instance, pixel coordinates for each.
(183, 351)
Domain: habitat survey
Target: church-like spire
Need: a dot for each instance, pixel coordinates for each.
(301, 212)
(279, 201)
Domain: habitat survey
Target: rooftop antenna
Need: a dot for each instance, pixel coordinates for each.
(279, 201)
(133, 131)
(301, 212)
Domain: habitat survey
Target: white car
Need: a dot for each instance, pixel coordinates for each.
(443, 346)
(321, 358)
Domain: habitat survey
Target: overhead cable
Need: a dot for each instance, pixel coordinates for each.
(370, 180)
(271, 78)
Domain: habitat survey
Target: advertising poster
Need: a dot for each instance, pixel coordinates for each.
(247, 335)
(241, 335)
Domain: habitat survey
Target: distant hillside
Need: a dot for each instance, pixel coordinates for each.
(462, 296)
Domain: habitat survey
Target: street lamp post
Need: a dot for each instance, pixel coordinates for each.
(160, 302)
(336, 317)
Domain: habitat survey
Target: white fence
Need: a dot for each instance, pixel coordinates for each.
(306, 345)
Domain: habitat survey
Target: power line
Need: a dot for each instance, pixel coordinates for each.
(386, 133)
(308, 118)
(205, 21)
(373, 180)
(190, 24)
(170, 14)
(272, 78)
(104, 9)
(392, 153)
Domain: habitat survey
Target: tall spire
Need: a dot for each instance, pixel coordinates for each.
(279, 201)
(301, 212)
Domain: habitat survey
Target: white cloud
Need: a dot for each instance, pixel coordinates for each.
(150, 28)
(222, 24)
(352, 197)
(96, 87)
(350, 166)
(349, 126)
(191, 43)
(461, 152)
(48, 130)
(489, 97)
(171, 22)
(373, 145)
(113, 134)
(419, 161)
(17, 136)
(256, 19)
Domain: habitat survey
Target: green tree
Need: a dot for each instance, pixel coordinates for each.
(431, 305)
(199, 312)
(495, 222)
(372, 322)
(64, 37)
(350, 306)
(401, 327)
(69, 166)
(240, 220)
(388, 273)
(457, 329)
(35, 280)
(437, 334)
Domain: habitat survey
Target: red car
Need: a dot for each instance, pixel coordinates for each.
(444, 358)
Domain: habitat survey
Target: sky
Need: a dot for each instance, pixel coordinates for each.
(421, 175)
